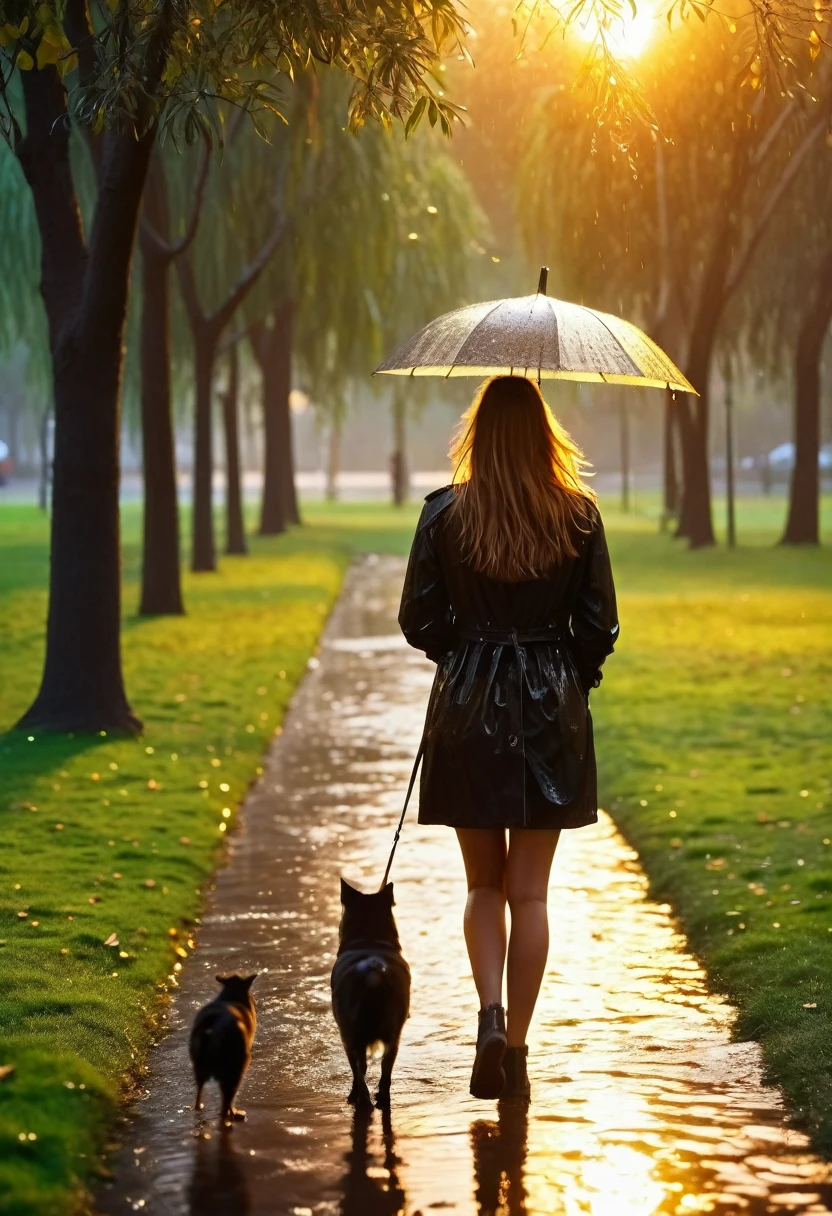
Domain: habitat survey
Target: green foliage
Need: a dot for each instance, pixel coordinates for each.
(706, 714)
(635, 231)
(21, 311)
(711, 727)
(134, 64)
(387, 237)
(103, 836)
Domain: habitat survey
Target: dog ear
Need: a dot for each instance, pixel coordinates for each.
(348, 893)
(222, 979)
(248, 980)
(388, 894)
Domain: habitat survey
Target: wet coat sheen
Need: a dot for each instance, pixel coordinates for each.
(508, 734)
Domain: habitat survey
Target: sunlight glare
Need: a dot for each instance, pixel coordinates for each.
(627, 35)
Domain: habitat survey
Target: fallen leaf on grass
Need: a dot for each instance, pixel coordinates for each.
(6, 1071)
(149, 882)
(112, 940)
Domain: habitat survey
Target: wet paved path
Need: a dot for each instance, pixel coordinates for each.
(642, 1106)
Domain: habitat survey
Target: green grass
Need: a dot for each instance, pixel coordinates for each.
(119, 836)
(708, 715)
(713, 730)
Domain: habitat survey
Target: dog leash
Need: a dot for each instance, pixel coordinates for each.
(420, 753)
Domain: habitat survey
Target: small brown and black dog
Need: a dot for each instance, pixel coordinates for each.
(220, 1043)
(370, 988)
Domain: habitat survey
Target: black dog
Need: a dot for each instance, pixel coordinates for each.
(220, 1043)
(370, 987)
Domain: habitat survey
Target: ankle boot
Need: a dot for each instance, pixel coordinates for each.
(488, 1078)
(516, 1088)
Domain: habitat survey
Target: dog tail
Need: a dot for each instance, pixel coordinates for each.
(372, 969)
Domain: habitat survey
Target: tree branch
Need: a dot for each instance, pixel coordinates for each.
(151, 238)
(43, 153)
(223, 314)
(80, 34)
(196, 206)
(190, 295)
(121, 180)
(784, 183)
(663, 302)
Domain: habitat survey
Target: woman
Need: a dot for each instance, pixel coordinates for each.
(509, 590)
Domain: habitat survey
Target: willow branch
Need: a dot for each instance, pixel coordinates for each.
(777, 195)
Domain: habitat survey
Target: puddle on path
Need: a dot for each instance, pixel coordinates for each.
(642, 1105)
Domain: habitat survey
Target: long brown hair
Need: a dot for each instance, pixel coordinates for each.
(520, 504)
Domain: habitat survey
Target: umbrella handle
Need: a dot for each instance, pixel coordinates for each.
(543, 280)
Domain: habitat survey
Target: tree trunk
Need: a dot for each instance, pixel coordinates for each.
(45, 480)
(284, 330)
(207, 329)
(721, 276)
(399, 472)
(695, 519)
(803, 523)
(624, 433)
(235, 533)
(161, 590)
(671, 475)
(272, 355)
(333, 460)
(203, 551)
(272, 345)
(84, 287)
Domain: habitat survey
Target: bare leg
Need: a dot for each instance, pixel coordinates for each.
(527, 884)
(484, 854)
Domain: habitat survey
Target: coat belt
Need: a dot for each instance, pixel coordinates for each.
(511, 637)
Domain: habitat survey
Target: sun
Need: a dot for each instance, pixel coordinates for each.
(627, 35)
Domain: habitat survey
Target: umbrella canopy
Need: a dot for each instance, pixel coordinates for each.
(538, 337)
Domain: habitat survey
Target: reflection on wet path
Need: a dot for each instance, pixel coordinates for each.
(642, 1105)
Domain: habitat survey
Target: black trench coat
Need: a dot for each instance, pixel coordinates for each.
(508, 734)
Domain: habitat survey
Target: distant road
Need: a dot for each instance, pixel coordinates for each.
(355, 486)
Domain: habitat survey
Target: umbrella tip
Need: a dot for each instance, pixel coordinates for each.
(543, 280)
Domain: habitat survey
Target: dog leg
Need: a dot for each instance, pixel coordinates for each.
(229, 1113)
(359, 1095)
(387, 1062)
(198, 1103)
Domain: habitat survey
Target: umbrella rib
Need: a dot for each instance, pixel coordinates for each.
(497, 304)
(550, 301)
(620, 345)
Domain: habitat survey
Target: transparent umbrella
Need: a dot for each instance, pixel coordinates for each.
(538, 337)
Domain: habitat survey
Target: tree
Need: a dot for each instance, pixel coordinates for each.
(208, 324)
(397, 240)
(123, 76)
(161, 590)
(803, 523)
(786, 312)
(271, 342)
(235, 533)
(723, 161)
